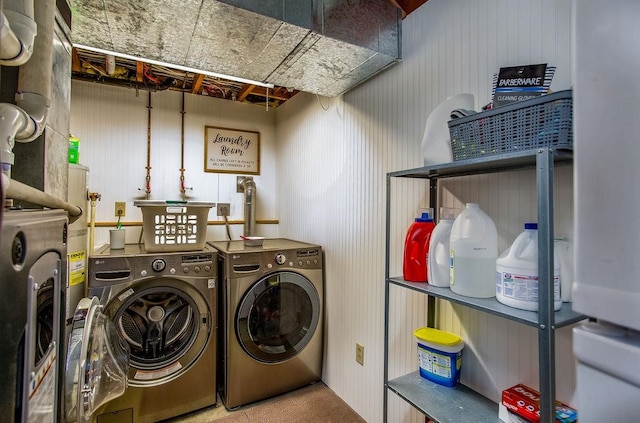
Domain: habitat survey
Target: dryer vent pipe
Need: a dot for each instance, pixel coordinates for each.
(246, 185)
(19, 24)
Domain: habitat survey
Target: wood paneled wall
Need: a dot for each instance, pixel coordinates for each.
(333, 156)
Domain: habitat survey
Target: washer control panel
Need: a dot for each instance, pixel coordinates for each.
(158, 265)
(196, 264)
(281, 258)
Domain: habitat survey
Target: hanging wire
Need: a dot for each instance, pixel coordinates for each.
(226, 224)
(320, 103)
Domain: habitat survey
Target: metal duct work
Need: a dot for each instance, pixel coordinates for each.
(248, 186)
(324, 47)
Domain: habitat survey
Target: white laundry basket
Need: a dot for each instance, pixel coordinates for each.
(174, 225)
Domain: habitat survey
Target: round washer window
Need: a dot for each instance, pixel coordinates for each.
(166, 327)
(277, 317)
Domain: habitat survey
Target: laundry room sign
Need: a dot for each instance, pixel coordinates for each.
(228, 150)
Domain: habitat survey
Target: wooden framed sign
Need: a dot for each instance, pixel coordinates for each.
(228, 150)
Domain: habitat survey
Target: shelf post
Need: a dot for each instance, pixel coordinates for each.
(386, 300)
(546, 323)
(433, 203)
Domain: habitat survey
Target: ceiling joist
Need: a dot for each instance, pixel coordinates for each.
(197, 83)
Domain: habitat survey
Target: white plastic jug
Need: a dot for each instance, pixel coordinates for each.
(564, 251)
(439, 250)
(473, 253)
(436, 141)
(517, 273)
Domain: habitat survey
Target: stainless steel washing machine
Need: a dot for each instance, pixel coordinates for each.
(272, 318)
(33, 256)
(164, 305)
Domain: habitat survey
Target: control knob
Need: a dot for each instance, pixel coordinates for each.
(281, 258)
(158, 265)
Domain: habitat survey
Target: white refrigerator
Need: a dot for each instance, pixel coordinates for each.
(606, 75)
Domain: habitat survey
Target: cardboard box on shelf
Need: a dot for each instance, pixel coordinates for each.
(525, 402)
(509, 416)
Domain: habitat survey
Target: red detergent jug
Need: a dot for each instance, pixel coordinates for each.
(416, 248)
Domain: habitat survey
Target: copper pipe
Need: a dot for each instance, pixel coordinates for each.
(183, 189)
(148, 179)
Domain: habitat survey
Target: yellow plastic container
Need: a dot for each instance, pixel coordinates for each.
(439, 355)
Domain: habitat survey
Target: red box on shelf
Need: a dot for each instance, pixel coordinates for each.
(525, 402)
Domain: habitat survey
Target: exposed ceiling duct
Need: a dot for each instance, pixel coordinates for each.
(324, 47)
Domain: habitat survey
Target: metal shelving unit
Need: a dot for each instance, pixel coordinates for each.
(435, 401)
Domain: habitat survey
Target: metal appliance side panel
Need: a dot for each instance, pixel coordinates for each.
(607, 377)
(606, 255)
(77, 247)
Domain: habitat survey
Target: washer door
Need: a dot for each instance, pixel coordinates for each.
(96, 364)
(277, 317)
(41, 336)
(167, 324)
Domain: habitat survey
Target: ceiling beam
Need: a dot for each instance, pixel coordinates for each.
(197, 83)
(244, 92)
(408, 6)
(139, 71)
(139, 75)
(76, 65)
(276, 94)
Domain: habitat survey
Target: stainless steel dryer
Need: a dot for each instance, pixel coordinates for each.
(272, 318)
(164, 306)
(33, 255)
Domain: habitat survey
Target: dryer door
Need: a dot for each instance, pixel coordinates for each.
(167, 324)
(97, 362)
(277, 317)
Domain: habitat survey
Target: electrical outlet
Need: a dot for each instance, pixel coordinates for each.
(224, 209)
(360, 354)
(121, 208)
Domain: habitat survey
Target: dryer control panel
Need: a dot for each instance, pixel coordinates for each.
(296, 259)
(240, 261)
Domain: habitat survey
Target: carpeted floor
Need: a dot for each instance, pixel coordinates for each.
(314, 403)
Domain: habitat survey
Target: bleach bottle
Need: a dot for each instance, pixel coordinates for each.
(438, 257)
(416, 248)
(517, 273)
(473, 253)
